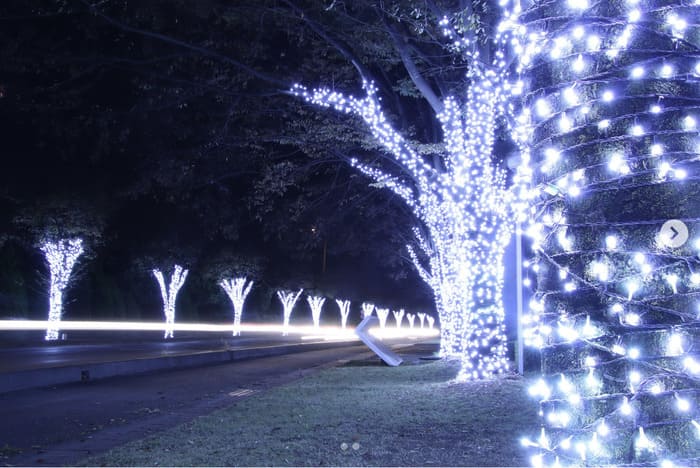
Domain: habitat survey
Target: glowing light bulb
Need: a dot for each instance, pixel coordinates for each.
(593, 43)
(625, 407)
(632, 319)
(577, 4)
(611, 242)
(666, 71)
(637, 72)
(634, 353)
(608, 96)
(603, 429)
(656, 149)
(617, 349)
(637, 130)
(571, 96)
(689, 122)
(565, 123)
(672, 280)
(603, 124)
(681, 403)
(579, 64)
(632, 287)
(642, 442)
(542, 108)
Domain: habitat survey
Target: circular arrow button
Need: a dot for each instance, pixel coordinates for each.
(674, 233)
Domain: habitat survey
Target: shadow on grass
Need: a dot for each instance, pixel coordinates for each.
(362, 414)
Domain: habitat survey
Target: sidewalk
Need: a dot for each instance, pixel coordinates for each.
(44, 364)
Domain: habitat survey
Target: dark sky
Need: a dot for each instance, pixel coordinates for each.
(156, 153)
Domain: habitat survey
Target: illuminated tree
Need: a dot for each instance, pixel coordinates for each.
(169, 294)
(421, 317)
(411, 319)
(367, 309)
(431, 321)
(459, 197)
(288, 300)
(382, 315)
(316, 304)
(609, 137)
(344, 307)
(398, 316)
(61, 256)
(237, 290)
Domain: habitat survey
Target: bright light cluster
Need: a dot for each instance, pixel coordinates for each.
(382, 315)
(237, 290)
(344, 306)
(61, 256)
(610, 146)
(316, 304)
(169, 294)
(367, 309)
(464, 207)
(398, 316)
(288, 300)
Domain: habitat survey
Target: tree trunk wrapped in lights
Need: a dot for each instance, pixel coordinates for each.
(344, 306)
(61, 257)
(609, 123)
(367, 309)
(464, 207)
(288, 300)
(237, 290)
(316, 304)
(382, 315)
(169, 294)
(398, 316)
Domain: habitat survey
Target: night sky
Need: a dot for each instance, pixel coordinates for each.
(163, 132)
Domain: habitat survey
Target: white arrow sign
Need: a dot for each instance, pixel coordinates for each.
(382, 350)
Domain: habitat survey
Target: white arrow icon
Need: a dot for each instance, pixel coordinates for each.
(382, 350)
(673, 233)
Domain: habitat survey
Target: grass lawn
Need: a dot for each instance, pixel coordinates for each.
(354, 416)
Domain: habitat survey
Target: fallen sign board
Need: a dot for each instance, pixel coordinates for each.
(375, 344)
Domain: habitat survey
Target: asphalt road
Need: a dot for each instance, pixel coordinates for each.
(63, 424)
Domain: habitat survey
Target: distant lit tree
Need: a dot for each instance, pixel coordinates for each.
(316, 304)
(61, 255)
(288, 300)
(237, 290)
(344, 307)
(169, 294)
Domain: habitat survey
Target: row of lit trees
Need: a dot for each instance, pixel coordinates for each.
(62, 256)
(605, 111)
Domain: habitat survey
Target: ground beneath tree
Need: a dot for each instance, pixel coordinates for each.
(359, 414)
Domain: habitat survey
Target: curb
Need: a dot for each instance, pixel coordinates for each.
(44, 377)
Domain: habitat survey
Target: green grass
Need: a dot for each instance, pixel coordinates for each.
(354, 416)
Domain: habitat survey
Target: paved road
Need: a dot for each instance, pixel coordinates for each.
(60, 425)
(77, 352)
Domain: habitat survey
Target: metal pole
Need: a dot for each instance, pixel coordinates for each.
(519, 294)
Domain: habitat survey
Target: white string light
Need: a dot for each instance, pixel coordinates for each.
(633, 138)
